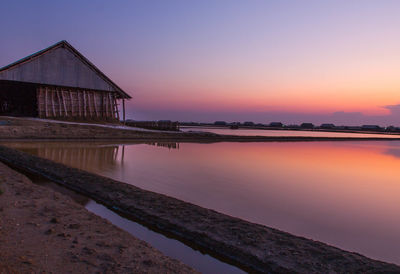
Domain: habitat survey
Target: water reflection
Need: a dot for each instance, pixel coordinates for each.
(90, 156)
(342, 193)
(168, 145)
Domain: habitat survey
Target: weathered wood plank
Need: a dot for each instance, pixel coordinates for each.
(95, 104)
(84, 103)
(71, 103)
(123, 109)
(72, 71)
(46, 102)
(52, 102)
(112, 114)
(116, 106)
(79, 103)
(89, 94)
(59, 102)
(106, 105)
(63, 100)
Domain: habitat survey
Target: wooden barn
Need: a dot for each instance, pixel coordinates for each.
(59, 83)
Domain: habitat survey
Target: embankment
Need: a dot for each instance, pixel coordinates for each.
(27, 128)
(42, 231)
(251, 246)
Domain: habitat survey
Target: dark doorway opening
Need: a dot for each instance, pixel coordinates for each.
(18, 99)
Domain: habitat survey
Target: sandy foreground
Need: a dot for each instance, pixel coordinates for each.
(42, 230)
(248, 245)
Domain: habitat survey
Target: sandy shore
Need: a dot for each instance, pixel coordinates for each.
(45, 231)
(22, 128)
(248, 245)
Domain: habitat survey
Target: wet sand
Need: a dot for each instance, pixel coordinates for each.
(251, 246)
(45, 231)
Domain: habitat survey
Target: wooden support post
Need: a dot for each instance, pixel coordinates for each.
(84, 103)
(102, 104)
(71, 103)
(65, 107)
(89, 103)
(106, 104)
(59, 102)
(116, 106)
(46, 103)
(78, 94)
(52, 103)
(112, 114)
(123, 110)
(95, 104)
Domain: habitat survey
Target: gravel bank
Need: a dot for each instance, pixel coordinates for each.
(249, 245)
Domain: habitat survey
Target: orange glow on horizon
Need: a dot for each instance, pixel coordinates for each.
(312, 103)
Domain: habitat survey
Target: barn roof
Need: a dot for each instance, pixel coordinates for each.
(17, 71)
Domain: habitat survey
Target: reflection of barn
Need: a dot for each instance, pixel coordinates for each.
(86, 158)
(169, 145)
(93, 156)
(59, 82)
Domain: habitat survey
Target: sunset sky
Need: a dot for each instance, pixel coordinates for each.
(290, 61)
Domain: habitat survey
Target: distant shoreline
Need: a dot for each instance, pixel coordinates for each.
(31, 129)
(297, 129)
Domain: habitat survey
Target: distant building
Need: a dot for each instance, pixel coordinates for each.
(248, 124)
(371, 127)
(220, 123)
(327, 126)
(352, 127)
(393, 129)
(276, 124)
(159, 125)
(307, 125)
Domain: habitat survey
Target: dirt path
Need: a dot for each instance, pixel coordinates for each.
(42, 230)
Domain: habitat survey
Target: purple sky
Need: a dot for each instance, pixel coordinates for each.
(290, 61)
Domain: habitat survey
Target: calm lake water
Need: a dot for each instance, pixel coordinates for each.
(296, 133)
(342, 193)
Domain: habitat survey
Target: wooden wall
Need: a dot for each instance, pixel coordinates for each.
(58, 67)
(56, 102)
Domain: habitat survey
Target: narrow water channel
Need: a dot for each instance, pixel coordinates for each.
(169, 246)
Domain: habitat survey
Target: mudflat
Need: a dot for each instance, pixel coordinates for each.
(45, 231)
